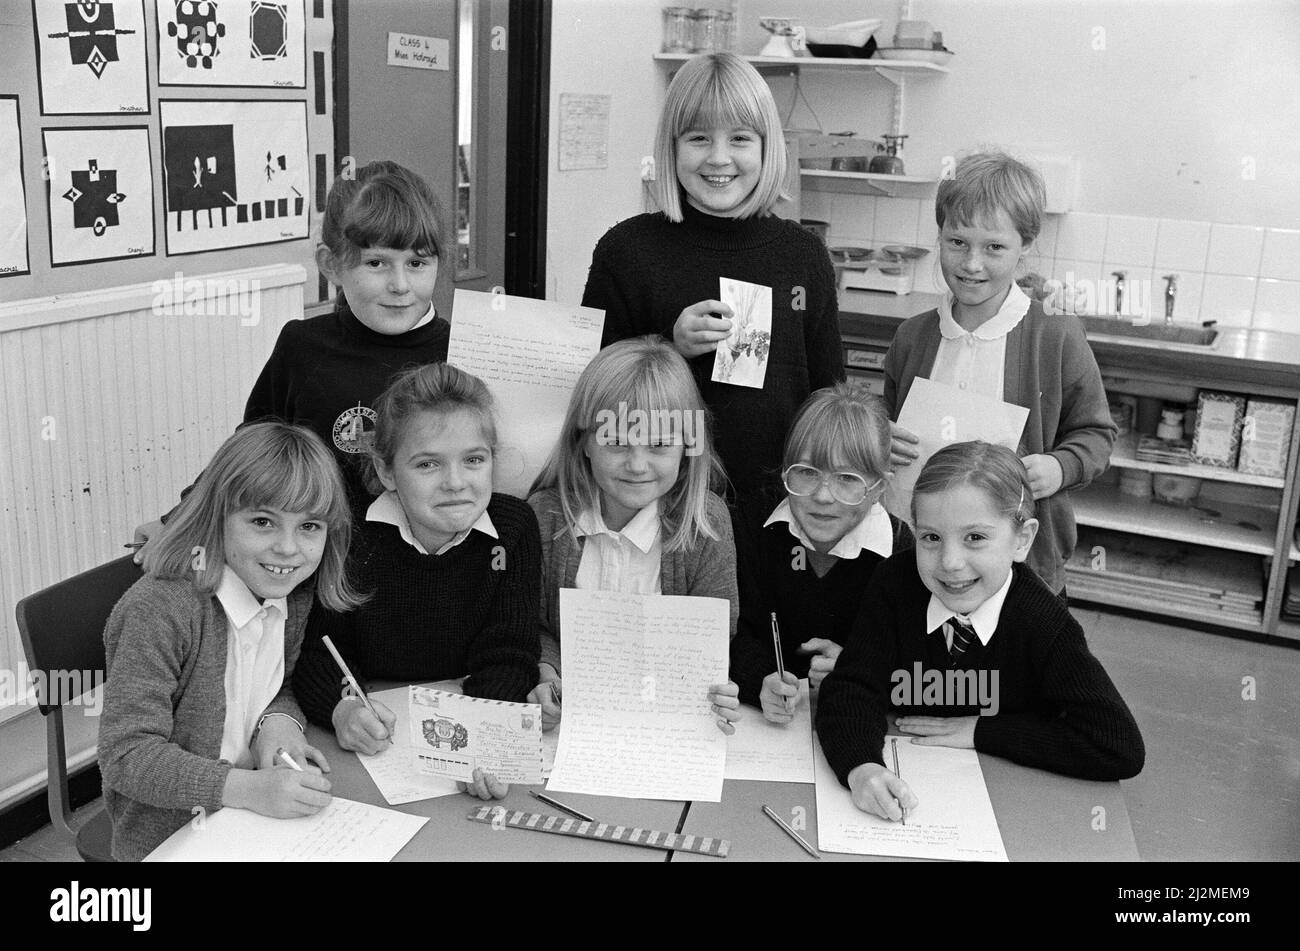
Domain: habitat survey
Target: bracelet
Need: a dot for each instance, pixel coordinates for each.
(267, 716)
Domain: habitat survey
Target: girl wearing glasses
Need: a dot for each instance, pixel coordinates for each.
(806, 560)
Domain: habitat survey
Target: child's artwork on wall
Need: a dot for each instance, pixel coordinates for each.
(13, 195)
(236, 173)
(232, 43)
(100, 193)
(91, 57)
(742, 358)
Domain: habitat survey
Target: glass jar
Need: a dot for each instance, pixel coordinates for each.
(708, 33)
(679, 29)
(726, 31)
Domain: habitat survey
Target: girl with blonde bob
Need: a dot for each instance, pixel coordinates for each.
(806, 553)
(201, 650)
(720, 166)
(624, 502)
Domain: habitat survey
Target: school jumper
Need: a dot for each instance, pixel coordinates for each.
(164, 710)
(471, 611)
(647, 269)
(1057, 708)
(774, 574)
(1049, 369)
(707, 571)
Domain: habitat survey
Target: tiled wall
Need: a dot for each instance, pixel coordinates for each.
(1237, 275)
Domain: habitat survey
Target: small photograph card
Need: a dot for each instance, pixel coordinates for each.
(454, 734)
(742, 358)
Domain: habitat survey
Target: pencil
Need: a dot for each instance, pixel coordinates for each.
(347, 675)
(893, 742)
(555, 691)
(559, 805)
(134, 546)
(799, 840)
(780, 663)
(287, 759)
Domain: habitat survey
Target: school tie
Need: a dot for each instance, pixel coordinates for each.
(963, 636)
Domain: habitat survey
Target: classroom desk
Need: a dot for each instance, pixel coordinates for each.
(1042, 817)
(450, 837)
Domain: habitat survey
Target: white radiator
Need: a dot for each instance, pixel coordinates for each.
(114, 400)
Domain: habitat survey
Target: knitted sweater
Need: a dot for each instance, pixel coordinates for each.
(706, 571)
(1057, 708)
(471, 611)
(165, 707)
(1049, 369)
(774, 574)
(647, 269)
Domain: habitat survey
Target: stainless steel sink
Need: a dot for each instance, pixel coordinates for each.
(1155, 334)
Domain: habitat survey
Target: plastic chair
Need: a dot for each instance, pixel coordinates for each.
(62, 628)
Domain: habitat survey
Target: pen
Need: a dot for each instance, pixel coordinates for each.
(799, 840)
(893, 742)
(559, 805)
(287, 759)
(555, 691)
(780, 664)
(347, 675)
(134, 546)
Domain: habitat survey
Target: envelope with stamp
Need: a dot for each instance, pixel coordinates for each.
(453, 735)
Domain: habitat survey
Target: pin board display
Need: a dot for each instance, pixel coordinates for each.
(237, 173)
(231, 43)
(91, 57)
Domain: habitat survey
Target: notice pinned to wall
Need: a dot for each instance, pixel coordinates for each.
(418, 52)
(13, 197)
(584, 131)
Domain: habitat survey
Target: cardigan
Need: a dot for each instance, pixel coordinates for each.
(707, 571)
(1050, 370)
(165, 707)
(466, 613)
(1056, 708)
(774, 575)
(647, 269)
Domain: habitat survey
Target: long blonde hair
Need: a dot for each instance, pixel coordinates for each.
(269, 465)
(646, 374)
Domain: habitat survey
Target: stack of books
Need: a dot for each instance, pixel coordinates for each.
(1170, 452)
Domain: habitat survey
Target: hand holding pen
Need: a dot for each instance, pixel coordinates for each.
(367, 728)
(547, 694)
(780, 691)
(880, 792)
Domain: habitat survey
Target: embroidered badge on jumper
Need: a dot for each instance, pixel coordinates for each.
(354, 430)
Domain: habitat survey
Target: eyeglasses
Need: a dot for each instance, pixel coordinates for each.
(846, 487)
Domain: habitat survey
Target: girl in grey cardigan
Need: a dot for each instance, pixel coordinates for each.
(624, 503)
(200, 651)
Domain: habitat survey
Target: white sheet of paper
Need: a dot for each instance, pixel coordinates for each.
(637, 718)
(954, 819)
(13, 197)
(275, 56)
(453, 735)
(741, 359)
(344, 831)
(92, 57)
(530, 354)
(394, 769)
(940, 414)
(773, 752)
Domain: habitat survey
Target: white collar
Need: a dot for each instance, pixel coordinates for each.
(984, 618)
(874, 532)
(1011, 312)
(240, 604)
(642, 531)
(426, 319)
(388, 510)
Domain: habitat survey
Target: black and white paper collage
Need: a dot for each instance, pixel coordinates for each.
(232, 43)
(91, 57)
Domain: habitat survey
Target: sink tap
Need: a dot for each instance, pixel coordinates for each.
(1119, 291)
(1171, 288)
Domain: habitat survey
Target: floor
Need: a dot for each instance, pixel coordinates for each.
(1221, 720)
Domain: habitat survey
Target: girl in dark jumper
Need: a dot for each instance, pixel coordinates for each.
(381, 241)
(721, 164)
(201, 649)
(808, 558)
(451, 567)
(969, 647)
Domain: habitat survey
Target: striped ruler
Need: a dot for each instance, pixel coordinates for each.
(604, 831)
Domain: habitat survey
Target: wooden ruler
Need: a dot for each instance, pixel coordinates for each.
(604, 831)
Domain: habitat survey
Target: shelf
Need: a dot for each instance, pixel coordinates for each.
(1104, 506)
(1081, 590)
(1124, 456)
(1288, 629)
(896, 67)
(861, 183)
